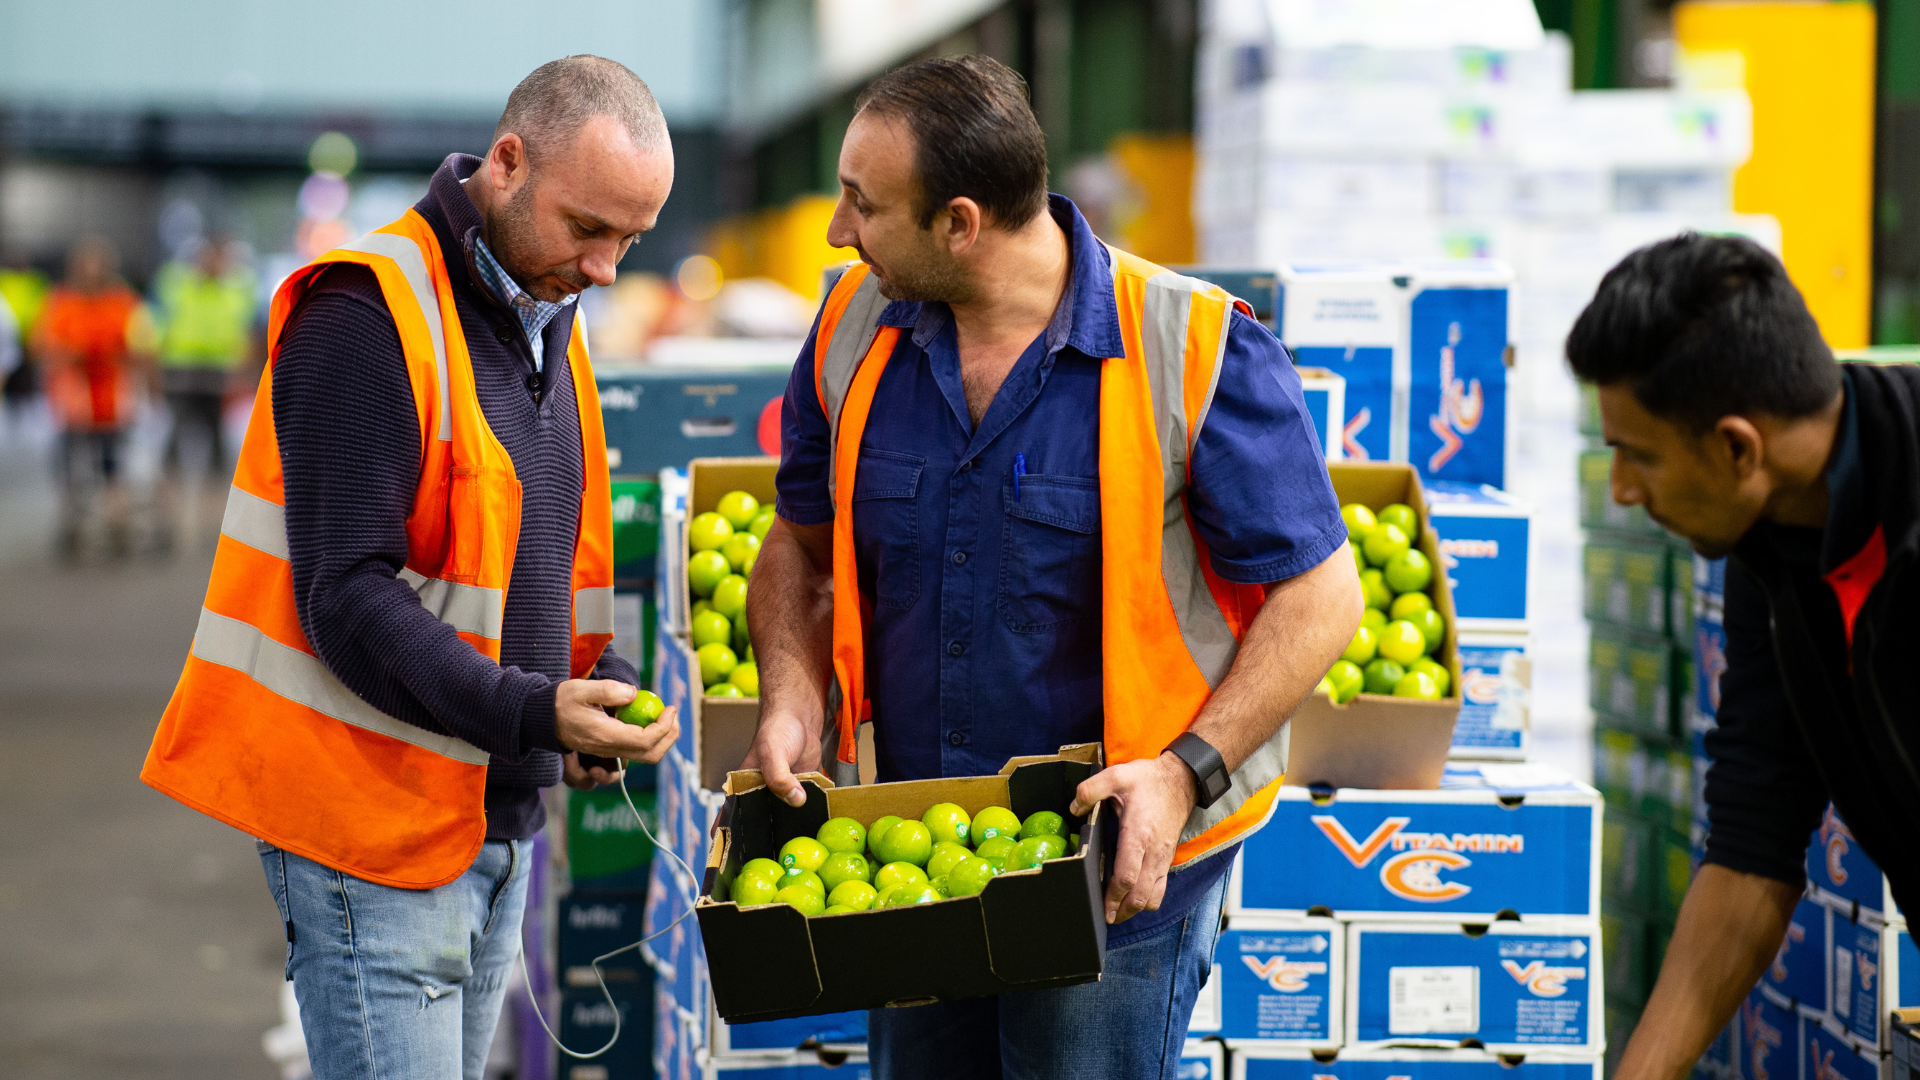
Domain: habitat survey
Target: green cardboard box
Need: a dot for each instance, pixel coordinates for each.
(606, 848)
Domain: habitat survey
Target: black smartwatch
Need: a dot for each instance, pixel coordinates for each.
(1210, 779)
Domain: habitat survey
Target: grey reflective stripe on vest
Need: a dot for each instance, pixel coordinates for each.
(302, 678)
(859, 324)
(593, 610)
(413, 266)
(470, 609)
(256, 522)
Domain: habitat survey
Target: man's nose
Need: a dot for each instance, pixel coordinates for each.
(1626, 486)
(600, 265)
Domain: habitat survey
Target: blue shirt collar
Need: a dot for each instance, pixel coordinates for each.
(1087, 319)
(534, 313)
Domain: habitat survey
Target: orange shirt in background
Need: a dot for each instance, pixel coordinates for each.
(84, 339)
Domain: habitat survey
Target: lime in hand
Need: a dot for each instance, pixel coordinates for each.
(908, 842)
(739, 508)
(946, 821)
(1043, 823)
(803, 853)
(857, 895)
(644, 709)
(994, 821)
(706, 532)
(704, 571)
(842, 834)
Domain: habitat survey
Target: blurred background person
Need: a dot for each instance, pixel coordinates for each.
(206, 310)
(92, 337)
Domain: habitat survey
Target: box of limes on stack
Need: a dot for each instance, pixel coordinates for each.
(902, 893)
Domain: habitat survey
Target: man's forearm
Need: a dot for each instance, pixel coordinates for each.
(790, 617)
(1300, 631)
(1730, 928)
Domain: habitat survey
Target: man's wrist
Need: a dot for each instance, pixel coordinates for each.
(1182, 777)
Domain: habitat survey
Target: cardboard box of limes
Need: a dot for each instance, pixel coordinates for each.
(1024, 927)
(729, 507)
(1345, 727)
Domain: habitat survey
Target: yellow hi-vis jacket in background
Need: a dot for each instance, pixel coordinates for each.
(1170, 626)
(260, 734)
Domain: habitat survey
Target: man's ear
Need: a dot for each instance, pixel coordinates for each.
(961, 221)
(1742, 443)
(507, 162)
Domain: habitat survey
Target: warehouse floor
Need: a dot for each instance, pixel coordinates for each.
(137, 938)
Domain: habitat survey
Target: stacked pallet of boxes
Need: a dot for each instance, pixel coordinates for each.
(1639, 603)
(689, 1038)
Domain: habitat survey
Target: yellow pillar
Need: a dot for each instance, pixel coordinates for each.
(1809, 68)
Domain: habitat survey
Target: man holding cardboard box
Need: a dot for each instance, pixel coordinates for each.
(1034, 492)
(1732, 425)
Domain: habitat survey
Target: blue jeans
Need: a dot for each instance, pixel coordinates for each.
(1131, 1025)
(399, 984)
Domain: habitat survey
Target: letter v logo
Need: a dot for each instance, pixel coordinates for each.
(1359, 853)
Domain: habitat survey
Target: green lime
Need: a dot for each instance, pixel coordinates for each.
(724, 689)
(704, 571)
(1416, 684)
(994, 821)
(766, 868)
(806, 879)
(702, 604)
(1432, 627)
(880, 896)
(738, 507)
(998, 846)
(1373, 619)
(1385, 544)
(1324, 686)
(1362, 648)
(801, 898)
(747, 677)
(738, 549)
(1360, 520)
(1373, 586)
(742, 636)
(842, 834)
(1035, 850)
(968, 877)
(1043, 823)
(706, 532)
(909, 842)
(762, 522)
(1406, 605)
(747, 564)
(838, 909)
(1409, 572)
(877, 829)
(898, 873)
(918, 893)
(730, 595)
(1073, 844)
(1402, 642)
(644, 709)
(710, 627)
(803, 853)
(716, 663)
(1399, 515)
(1359, 557)
(945, 855)
(1382, 674)
(750, 890)
(1347, 680)
(946, 821)
(857, 895)
(1442, 678)
(940, 886)
(844, 866)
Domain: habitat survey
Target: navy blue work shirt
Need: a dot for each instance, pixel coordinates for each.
(985, 637)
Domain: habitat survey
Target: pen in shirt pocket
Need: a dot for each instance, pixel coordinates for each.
(1019, 470)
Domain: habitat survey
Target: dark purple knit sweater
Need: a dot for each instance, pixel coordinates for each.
(350, 451)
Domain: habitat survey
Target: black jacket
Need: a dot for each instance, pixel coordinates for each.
(1803, 716)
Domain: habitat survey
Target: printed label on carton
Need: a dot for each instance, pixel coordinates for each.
(1799, 971)
(1260, 1064)
(1434, 1000)
(1486, 563)
(1504, 988)
(1280, 983)
(1830, 1057)
(1366, 429)
(1458, 403)
(1493, 707)
(1769, 1040)
(1856, 980)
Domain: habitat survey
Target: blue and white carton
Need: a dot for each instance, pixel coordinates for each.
(1485, 549)
(1511, 987)
(1424, 348)
(1496, 839)
(1861, 999)
(1263, 1063)
(845, 1031)
(1769, 1035)
(1326, 397)
(799, 1065)
(1842, 875)
(1495, 696)
(1281, 981)
(1830, 1055)
(1798, 974)
(1202, 1059)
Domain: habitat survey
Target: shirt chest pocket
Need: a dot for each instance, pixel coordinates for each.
(1050, 562)
(886, 526)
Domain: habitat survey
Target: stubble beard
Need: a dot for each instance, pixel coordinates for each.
(512, 238)
(926, 280)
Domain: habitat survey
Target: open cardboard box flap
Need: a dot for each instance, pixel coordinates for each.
(1028, 930)
(1376, 741)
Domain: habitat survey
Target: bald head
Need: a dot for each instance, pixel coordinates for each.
(550, 107)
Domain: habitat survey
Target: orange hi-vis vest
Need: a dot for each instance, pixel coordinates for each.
(260, 733)
(1170, 626)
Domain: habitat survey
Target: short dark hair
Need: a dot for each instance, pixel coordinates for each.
(556, 100)
(974, 135)
(1701, 327)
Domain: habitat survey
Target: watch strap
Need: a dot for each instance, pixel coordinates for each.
(1210, 778)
